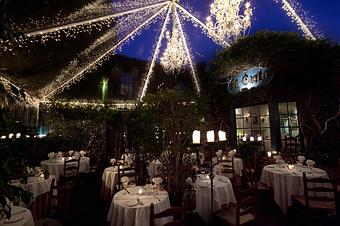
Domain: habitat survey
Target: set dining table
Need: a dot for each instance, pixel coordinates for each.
(223, 194)
(56, 166)
(37, 185)
(131, 206)
(288, 182)
(20, 216)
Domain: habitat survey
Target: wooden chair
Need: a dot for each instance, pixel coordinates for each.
(71, 172)
(243, 212)
(129, 172)
(228, 169)
(178, 214)
(318, 201)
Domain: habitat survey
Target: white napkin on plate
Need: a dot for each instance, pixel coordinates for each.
(51, 155)
(310, 163)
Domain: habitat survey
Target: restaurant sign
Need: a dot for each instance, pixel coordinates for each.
(252, 78)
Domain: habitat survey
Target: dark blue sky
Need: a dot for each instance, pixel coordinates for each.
(267, 15)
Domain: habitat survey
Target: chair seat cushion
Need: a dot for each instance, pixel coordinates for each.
(229, 215)
(315, 204)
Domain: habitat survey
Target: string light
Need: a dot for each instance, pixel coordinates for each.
(91, 104)
(291, 12)
(18, 93)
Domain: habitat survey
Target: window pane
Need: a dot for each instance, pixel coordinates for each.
(239, 133)
(267, 145)
(247, 123)
(246, 112)
(295, 132)
(284, 132)
(284, 121)
(265, 121)
(256, 121)
(292, 108)
(254, 110)
(264, 109)
(282, 108)
(266, 133)
(294, 121)
(238, 112)
(247, 132)
(239, 123)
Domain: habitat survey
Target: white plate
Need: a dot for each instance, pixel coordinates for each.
(130, 202)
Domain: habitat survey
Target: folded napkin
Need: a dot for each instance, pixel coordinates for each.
(310, 163)
(301, 158)
(112, 161)
(59, 154)
(82, 153)
(219, 152)
(51, 155)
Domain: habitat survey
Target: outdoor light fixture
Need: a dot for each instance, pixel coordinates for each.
(259, 138)
(222, 136)
(10, 135)
(18, 135)
(251, 138)
(3, 137)
(244, 138)
(196, 137)
(210, 136)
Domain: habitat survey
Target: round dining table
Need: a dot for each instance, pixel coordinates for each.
(56, 166)
(126, 210)
(37, 185)
(288, 182)
(223, 194)
(109, 180)
(20, 216)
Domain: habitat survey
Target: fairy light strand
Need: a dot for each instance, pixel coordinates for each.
(54, 88)
(154, 57)
(194, 76)
(291, 12)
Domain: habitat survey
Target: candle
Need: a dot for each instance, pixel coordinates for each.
(140, 191)
(290, 166)
(208, 177)
(269, 154)
(63, 158)
(223, 158)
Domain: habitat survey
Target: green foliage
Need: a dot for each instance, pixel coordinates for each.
(165, 121)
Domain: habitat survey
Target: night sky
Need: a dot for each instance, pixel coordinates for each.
(267, 15)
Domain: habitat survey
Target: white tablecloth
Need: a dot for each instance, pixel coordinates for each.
(154, 168)
(109, 179)
(125, 210)
(56, 167)
(287, 183)
(223, 194)
(23, 215)
(238, 165)
(36, 185)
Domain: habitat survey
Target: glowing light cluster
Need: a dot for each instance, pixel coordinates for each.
(91, 58)
(291, 11)
(20, 95)
(226, 21)
(92, 104)
(174, 57)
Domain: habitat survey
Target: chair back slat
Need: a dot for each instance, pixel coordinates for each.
(177, 212)
(129, 172)
(317, 186)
